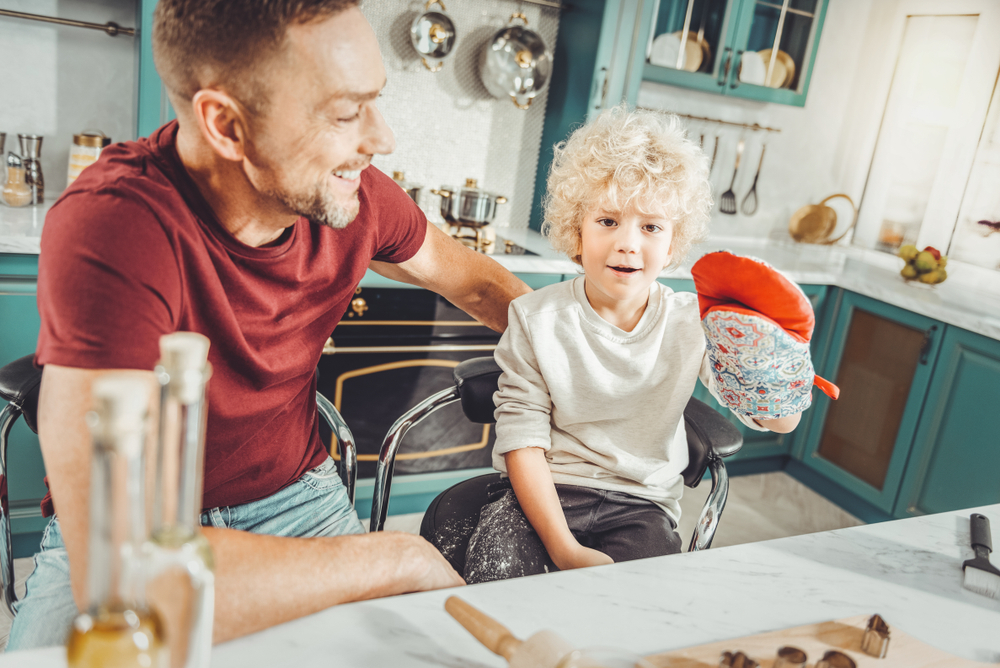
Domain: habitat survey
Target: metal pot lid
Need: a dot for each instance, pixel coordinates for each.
(472, 189)
(433, 35)
(515, 63)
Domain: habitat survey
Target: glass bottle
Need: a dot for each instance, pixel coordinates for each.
(118, 628)
(181, 551)
(16, 191)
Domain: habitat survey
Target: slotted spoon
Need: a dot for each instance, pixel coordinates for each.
(749, 205)
(727, 202)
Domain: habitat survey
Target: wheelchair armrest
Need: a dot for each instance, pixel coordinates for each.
(19, 383)
(710, 435)
(476, 380)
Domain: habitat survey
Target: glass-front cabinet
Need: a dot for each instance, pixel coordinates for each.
(756, 49)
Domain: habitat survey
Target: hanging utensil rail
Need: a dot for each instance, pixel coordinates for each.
(111, 28)
(749, 126)
(547, 3)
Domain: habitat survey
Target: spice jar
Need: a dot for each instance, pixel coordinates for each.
(86, 148)
(16, 191)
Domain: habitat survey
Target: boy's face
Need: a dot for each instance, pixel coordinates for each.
(622, 253)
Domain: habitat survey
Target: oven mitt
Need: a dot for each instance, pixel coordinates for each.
(757, 324)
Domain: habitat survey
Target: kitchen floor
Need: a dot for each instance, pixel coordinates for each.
(760, 507)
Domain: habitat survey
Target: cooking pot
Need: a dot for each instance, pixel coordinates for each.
(412, 189)
(433, 35)
(470, 205)
(515, 63)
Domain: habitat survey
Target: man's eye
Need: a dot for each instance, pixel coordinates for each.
(349, 119)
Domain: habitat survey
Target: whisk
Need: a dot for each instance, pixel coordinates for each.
(749, 205)
(727, 201)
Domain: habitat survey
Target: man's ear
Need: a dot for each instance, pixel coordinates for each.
(222, 122)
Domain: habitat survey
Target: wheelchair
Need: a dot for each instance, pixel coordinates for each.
(19, 385)
(710, 436)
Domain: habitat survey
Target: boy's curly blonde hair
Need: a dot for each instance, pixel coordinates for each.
(627, 158)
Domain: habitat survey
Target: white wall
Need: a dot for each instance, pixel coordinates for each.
(60, 80)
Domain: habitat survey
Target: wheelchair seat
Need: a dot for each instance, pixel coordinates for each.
(452, 516)
(20, 382)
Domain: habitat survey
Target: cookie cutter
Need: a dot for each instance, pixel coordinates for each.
(835, 659)
(790, 657)
(875, 641)
(736, 660)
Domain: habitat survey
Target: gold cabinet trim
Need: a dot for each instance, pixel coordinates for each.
(329, 348)
(365, 371)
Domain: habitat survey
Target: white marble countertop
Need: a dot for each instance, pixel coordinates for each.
(970, 306)
(909, 571)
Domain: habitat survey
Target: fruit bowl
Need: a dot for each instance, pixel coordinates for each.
(924, 268)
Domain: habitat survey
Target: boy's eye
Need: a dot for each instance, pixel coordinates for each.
(606, 222)
(653, 228)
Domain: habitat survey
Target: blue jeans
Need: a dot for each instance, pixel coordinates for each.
(314, 505)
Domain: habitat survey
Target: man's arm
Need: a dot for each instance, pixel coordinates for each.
(260, 580)
(474, 282)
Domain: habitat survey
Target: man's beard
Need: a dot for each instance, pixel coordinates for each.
(319, 206)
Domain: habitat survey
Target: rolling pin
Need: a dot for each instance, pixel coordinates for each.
(544, 649)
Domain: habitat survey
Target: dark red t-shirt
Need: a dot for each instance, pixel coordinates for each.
(132, 251)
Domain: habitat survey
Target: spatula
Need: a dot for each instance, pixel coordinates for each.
(727, 201)
(749, 205)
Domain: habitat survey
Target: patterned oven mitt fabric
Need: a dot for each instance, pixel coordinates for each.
(757, 324)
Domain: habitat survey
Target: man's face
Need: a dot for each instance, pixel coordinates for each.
(321, 127)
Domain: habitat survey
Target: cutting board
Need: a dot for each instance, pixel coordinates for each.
(815, 640)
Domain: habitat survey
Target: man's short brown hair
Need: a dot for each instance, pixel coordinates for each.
(227, 43)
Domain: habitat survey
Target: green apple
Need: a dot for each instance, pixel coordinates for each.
(925, 262)
(907, 252)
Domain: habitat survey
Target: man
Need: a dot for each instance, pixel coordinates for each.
(250, 220)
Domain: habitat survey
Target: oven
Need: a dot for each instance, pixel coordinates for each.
(394, 348)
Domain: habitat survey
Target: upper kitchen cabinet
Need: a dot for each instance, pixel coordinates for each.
(756, 49)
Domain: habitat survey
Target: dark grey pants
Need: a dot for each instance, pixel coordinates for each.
(624, 527)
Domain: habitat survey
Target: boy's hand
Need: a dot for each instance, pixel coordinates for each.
(758, 325)
(578, 556)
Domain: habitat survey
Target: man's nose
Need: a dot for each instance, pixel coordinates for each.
(378, 138)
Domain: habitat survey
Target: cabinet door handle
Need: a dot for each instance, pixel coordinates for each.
(736, 69)
(604, 89)
(724, 74)
(925, 350)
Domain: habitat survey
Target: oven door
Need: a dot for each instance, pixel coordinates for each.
(390, 352)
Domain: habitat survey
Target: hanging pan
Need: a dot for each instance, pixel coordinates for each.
(515, 64)
(433, 36)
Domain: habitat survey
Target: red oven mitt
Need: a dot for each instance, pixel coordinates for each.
(758, 325)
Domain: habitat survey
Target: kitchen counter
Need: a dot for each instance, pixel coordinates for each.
(909, 571)
(872, 274)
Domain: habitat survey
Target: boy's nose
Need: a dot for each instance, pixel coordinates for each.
(627, 239)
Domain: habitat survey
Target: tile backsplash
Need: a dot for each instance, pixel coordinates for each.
(61, 80)
(447, 125)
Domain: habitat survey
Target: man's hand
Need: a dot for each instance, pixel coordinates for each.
(578, 556)
(474, 282)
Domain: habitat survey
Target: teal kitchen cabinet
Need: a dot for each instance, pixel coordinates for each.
(855, 450)
(730, 46)
(19, 325)
(955, 459)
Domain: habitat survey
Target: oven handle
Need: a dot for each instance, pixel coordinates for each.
(330, 349)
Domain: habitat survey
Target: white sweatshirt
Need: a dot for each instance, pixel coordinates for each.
(606, 405)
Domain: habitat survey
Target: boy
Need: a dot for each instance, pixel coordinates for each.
(597, 370)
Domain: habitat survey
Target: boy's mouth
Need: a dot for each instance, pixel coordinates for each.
(624, 269)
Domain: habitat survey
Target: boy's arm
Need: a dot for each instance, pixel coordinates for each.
(536, 494)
